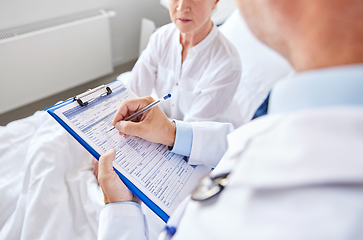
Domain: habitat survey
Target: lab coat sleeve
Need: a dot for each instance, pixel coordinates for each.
(122, 221)
(209, 142)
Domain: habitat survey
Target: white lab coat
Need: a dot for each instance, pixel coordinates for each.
(290, 181)
(211, 136)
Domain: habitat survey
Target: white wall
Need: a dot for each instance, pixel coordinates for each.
(125, 26)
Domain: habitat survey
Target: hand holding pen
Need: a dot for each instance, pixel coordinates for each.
(153, 126)
(153, 104)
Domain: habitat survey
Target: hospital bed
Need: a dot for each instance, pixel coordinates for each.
(47, 186)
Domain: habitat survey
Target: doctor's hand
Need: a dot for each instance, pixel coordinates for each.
(152, 125)
(114, 190)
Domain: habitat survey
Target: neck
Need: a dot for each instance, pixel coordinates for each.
(327, 51)
(328, 40)
(191, 39)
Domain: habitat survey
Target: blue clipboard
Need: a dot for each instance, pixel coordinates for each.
(51, 110)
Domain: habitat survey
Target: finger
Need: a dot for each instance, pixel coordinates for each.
(122, 112)
(129, 107)
(95, 167)
(130, 128)
(105, 168)
(124, 135)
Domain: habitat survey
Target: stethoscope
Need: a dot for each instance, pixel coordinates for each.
(210, 187)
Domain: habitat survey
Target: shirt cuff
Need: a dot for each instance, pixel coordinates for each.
(183, 138)
(131, 203)
(122, 220)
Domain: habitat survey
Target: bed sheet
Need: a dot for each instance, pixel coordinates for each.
(47, 186)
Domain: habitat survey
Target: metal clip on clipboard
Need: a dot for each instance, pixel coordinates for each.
(89, 91)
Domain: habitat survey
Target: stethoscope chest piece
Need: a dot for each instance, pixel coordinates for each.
(210, 187)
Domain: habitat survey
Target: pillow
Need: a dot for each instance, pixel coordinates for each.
(262, 67)
(223, 10)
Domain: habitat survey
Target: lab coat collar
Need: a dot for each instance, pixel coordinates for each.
(328, 87)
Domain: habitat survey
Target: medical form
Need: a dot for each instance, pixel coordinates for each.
(158, 177)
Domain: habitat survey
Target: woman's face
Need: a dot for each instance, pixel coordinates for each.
(190, 16)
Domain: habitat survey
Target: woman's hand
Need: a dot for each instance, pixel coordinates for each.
(114, 190)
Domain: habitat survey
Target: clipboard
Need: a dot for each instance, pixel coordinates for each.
(87, 116)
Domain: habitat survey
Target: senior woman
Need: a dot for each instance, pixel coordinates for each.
(192, 60)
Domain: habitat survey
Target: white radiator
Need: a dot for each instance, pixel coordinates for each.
(41, 59)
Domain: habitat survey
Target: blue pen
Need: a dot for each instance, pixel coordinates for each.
(153, 104)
